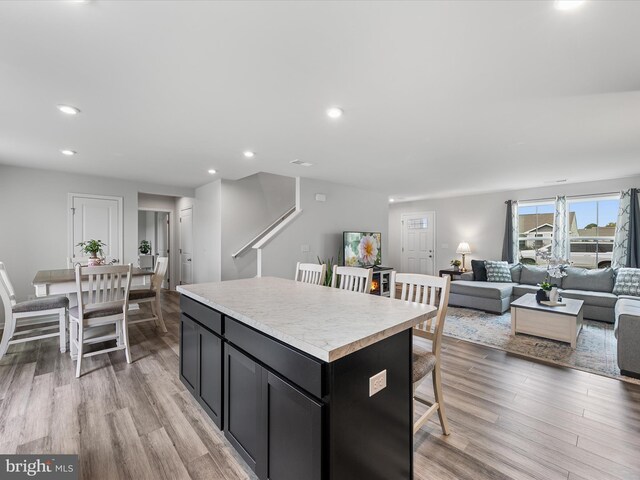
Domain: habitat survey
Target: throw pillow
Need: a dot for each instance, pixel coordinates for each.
(596, 280)
(497, 271)
(479, 270)
(516, 271)
(533, 275)
(627, 282)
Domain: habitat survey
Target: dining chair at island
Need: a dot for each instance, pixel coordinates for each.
(354, 279)
(151, 295)
(433, 291)
(312, 273)
(102, 315)
(38, 316)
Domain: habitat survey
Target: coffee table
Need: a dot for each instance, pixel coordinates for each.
(555, 323)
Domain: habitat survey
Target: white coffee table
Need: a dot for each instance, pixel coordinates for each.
(555, 323)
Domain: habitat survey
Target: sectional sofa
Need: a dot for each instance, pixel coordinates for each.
(594, 287)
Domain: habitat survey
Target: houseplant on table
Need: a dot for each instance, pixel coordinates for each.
(145, 247)
(93, 248)
(456, 265)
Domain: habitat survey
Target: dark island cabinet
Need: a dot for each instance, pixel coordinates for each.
(201, 366)
(291, 416)
(294, 434)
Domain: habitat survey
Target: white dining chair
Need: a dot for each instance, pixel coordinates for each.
(432, 291)
(311, 273)
(106, 307)
(354, 279)
(151, 295)
(41, 314)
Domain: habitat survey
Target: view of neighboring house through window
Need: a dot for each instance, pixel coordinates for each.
(592, 239)
(535, 227)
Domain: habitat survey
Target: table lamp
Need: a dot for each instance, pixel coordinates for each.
(463, 249)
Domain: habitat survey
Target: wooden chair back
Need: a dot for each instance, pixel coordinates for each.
(354, 279)
(162, 263)
(428, 290)
(310, 273)
(108, 287)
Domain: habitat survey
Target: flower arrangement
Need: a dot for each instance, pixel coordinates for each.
(456, 263)
(556, 268)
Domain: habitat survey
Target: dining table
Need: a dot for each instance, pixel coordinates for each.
(63, 281)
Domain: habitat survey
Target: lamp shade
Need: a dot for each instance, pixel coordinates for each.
(463, 248)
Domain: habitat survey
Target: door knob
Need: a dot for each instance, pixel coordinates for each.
(430, 256)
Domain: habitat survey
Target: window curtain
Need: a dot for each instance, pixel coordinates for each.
(626, 245)
(560, 247)
(510, 251)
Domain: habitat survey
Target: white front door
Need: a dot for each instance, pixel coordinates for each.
(95, 217)
(186, 246)
(418, 242)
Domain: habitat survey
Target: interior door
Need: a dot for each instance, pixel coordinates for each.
(418, 243)
(186, 246)
(95, 218)
(162, 242)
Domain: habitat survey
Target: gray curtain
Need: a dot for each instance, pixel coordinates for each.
(633, 247)
(510, 243)
(626, 247)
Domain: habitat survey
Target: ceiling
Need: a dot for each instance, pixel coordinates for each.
(440, 98)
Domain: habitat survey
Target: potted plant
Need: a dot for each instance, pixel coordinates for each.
(456, 265)
(93, 248)
(145, 247)
(543, 293)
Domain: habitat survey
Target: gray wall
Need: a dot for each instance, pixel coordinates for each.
(320, 226)
(480, 219)
(33, 218)
(248, 206)
(207, 226)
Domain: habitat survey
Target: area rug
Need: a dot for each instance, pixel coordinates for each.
(595, 352)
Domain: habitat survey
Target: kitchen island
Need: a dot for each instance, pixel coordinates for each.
(307, 382)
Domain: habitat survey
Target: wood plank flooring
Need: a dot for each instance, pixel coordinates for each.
(510, 417)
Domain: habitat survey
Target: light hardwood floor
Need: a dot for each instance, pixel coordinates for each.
(510, 417)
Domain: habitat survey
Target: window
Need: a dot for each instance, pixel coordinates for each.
(535, 227)
(592, 227)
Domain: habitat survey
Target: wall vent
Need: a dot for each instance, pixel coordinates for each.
(301, 163)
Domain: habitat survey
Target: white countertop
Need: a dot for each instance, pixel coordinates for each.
(326, 323)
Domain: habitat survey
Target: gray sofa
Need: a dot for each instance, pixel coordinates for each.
(594, 287)
(627, 332)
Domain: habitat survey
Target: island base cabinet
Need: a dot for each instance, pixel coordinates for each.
(294, 432)
(201, 366)
(275, 427)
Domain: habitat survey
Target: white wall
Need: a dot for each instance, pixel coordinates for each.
(208, 233)
(480, 219)
(33, 218)
(250, 205)
(321, 224)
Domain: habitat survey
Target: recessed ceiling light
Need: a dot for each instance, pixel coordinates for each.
(211, 171)
(68, 109)
(392, 200)
(68, 152)
(249, 154)
(334, 112)
(568, 4)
